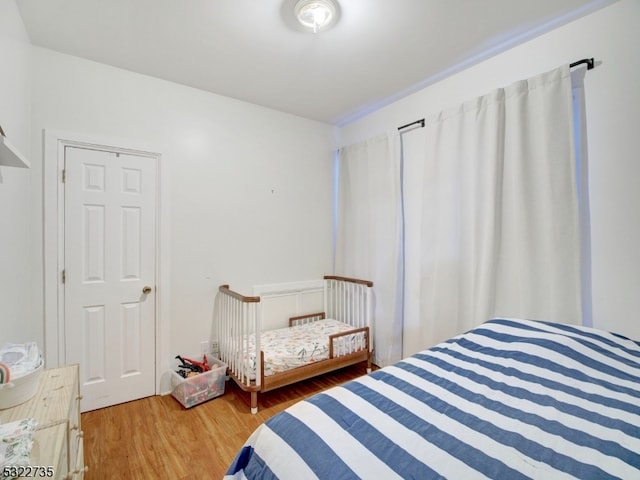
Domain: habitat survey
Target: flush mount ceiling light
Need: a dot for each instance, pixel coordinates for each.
(316, 15)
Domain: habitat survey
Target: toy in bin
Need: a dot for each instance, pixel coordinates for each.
(189, 368)
(196, 381)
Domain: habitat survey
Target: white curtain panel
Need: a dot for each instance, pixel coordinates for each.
(582, 181)
(368, 234)
(498, 221)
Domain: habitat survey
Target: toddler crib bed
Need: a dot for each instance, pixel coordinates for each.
(313, 344)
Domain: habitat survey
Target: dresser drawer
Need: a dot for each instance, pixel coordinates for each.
(50, 450)
(57, 442)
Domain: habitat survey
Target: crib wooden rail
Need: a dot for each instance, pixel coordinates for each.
(237, 318)
(366, 283)
(227, 291)
(349, 300)
(346, 343)
(239, 325)
(305, 319)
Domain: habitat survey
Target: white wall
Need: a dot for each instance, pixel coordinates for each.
(16, 285)
(222, 159)
(612, 36)
(248, 189)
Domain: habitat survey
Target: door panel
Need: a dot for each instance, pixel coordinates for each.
(110, 255)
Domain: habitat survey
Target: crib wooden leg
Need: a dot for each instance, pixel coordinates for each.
(254, 402)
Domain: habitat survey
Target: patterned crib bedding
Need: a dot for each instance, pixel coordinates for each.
(292, 347)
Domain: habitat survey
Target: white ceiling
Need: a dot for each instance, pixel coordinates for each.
(380, 50)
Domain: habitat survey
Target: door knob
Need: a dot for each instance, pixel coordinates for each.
(146, 289)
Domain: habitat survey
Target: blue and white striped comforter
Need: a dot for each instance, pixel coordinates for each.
(511, 399)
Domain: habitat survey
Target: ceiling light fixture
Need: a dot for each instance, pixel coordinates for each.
(316, 15)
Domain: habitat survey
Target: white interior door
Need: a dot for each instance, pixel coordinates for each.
(110, 271)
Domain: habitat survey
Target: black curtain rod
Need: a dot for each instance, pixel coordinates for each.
(588, 61)
(421, 122)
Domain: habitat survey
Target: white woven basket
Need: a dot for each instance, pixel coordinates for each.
(20, 389)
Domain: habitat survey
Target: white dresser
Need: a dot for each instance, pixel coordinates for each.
(57, 441)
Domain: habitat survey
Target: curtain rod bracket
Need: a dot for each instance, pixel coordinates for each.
(589, 62)
(421, 122)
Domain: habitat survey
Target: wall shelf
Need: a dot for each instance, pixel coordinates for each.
(10, 156)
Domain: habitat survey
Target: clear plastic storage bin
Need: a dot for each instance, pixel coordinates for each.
(201, 387)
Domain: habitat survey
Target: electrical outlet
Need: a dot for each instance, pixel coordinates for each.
(214, 349)
(204, 347)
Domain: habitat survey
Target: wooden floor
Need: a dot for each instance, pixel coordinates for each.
(157, 438)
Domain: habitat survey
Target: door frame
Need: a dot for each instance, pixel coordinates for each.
(53, 245)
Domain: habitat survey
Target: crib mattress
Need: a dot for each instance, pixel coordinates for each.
(292, 347)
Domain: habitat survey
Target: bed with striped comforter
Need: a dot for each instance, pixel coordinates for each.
(510, 399)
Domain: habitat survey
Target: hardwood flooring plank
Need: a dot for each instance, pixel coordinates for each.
(156, 437)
